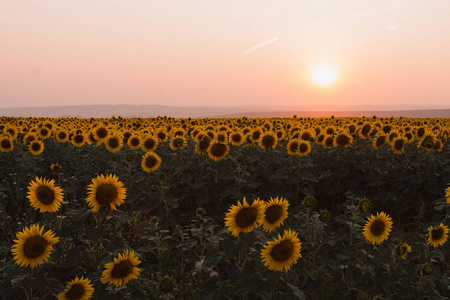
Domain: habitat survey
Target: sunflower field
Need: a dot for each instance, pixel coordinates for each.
(242, 208)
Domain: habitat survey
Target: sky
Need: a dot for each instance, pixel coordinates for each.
(224, 53)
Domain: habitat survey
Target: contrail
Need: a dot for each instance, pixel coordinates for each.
(262, 44)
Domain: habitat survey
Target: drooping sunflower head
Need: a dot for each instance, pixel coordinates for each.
(33, 246)
(44, 195)
(364, 205)
(150, 162)
(106, 191)
(77, 289)
(244, 217)
(309, 201)
(122, 269)
(377, 228)
(283, 252)
(403, 250)
(275, 212)
(437, 236)
(324, 215)
(217, 150)
(342, 140)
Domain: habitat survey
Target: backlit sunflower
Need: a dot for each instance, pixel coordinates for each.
(244, 217)
(328, 141)
(377, 228)
(114, 142)
(275, 212)
(217, 150)
(283, 252)
(304, 148)
(150, 162)
(105, 191)
(134, 142)
(122, 270)
(379, 141)
(44, 195)
(149, 143)
(268, 140)
(79, 139)
(398, 145)
(33, 246)
(6, 143)
(342, 140)
(236, 138)
(36, 147)
(77, 289)
(438, 235)
(403, 250)
(293, 146)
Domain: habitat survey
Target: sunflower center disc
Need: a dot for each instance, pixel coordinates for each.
(101, 133)
(268, 141)
(75, 292)
(45, 195)
(150, 162)
(6, 144)
(236, 138)
(436, 234)
(106, 193)
(113, 143)
(204, 144)
(218, 149)
(293, 147)
(303, 148)
(78, 139)
(122, 269)
(34, 246)
(377, 227)
(273, 213)
(246, 217)
(399, 144)
(282, 251)
(380, 141)
(135, 142)
(149, 144)
(36, 146)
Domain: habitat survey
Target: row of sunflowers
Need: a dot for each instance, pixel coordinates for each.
(168, 229)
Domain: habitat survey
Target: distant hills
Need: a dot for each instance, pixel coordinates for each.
(151, 111)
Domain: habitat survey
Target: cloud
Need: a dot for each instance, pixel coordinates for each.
(262, 44)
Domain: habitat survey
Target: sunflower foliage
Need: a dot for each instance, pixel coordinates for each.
(143, 208)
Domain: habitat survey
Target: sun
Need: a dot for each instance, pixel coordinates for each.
(323, 74)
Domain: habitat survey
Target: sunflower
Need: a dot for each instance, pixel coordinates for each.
(56, 168)
(149, 143)
(222, 136)
(61, 136)
(328, 141)
(100, 133)
(403, 250)
(236, 138)
(275, 212)
(36, 147)
(44, 133)
(106, 191)
(342, 140)
(283, 252)
(447, 195)
(293, 146)
(304, 148)
(379, 141)
(398, 145)
(177, 142)
(78, 139)
(77, 289)
(243, 217)
(134, 142)
(6, 144)
(44, 195)
(256, 134)
(377, 228)
(162, 136)
(29, 137)
(122, 270)
(268, 140)
(217, 150)
(438, 235)
(150, 162)
(33, 246)
(113, 142)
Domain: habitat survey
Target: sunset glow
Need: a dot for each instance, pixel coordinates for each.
(324, 74)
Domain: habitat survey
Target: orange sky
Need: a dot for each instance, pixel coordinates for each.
(223, 52)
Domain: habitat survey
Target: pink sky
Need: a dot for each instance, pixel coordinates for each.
(220, 53)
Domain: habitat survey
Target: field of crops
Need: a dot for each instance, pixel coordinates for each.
(244, 208)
